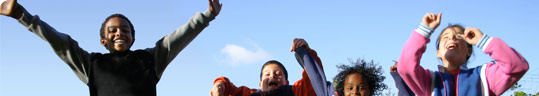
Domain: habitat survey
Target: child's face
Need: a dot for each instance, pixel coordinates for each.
(272, 77)
(452, 48)
(117, 35)
(355, 85)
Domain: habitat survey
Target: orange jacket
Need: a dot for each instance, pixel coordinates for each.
(302, 87)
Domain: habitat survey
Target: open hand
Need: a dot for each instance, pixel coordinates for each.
(218, 89)
(432, 20)
(215, 7)
(471, 35)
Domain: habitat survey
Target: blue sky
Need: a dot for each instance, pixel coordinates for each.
(248, 33)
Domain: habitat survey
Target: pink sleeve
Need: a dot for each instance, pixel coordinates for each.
(415, 76)
(509, 68)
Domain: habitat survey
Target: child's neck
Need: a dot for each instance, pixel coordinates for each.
(452, 65)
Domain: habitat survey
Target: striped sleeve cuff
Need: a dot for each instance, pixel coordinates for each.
(483, 42)
(424, 30)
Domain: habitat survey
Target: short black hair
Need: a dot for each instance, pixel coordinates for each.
(274, 62)
(370, 72)
(102, 31)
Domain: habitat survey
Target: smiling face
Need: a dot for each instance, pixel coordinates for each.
(355, 85)
(117, 35)
(452, 49)
(273, 76)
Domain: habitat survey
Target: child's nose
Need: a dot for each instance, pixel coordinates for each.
(119, 33)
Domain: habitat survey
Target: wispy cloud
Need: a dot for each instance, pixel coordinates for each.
(236, 54)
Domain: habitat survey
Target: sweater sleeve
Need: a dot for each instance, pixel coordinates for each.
(415, 76)
(63, 45)
(509, 68)
(304, 86)
(402, 88)
(232, 90)
(167, 48)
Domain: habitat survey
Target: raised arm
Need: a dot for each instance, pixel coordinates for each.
(66, 48)
(167, 48)
(402, 88)
(415, 76)
(510, 65)
(313, 79)
(316, 75)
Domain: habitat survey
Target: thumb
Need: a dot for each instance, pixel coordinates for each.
(439, 17)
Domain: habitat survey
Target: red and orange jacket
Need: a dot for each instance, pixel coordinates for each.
(302, 87)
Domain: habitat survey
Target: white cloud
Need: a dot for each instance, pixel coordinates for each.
(236, 54)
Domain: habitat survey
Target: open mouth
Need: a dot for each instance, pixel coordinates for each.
(451, 46)
(119, 41)
(273, 83)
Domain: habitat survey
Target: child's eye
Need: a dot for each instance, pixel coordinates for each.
(445, 37)
(125, 30)
(362, 88)
(349, 88)
(112, 30)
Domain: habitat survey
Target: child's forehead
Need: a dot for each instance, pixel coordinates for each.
(272, 67)
(453, 29)
(117, 21)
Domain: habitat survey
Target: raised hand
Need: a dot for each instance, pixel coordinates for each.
(471, 35)
(7, 8)
(432, 20)
(218, 89)
(215, 7)
(394, 67)
(298, 42)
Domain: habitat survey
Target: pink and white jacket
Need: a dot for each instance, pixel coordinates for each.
(490, 79)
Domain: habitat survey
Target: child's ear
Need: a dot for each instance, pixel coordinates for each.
(103, 42)
(287, 83)
(438, 54)
(260, 85)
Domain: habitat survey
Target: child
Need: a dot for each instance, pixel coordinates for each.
(402, 88)
(361, 78)
(121, 72)
(454, 48)
(273, 80)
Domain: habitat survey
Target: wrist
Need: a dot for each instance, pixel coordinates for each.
(16, 11)
(424, 30)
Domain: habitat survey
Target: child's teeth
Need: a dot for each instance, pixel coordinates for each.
(119, 41)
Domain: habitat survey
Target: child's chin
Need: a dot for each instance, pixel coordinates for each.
(120, 49)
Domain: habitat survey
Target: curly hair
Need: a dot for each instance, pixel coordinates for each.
(370, 72)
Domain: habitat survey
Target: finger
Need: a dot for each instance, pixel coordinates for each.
(300, 44)
(467, 33)
(293, 45)
(439, 18)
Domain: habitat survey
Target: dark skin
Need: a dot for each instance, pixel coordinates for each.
(11, 8)
(355, 85)
(118, 36)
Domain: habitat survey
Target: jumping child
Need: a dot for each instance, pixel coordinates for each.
(273, 80)
(359, 79)
(122, 72)
(454, 48)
